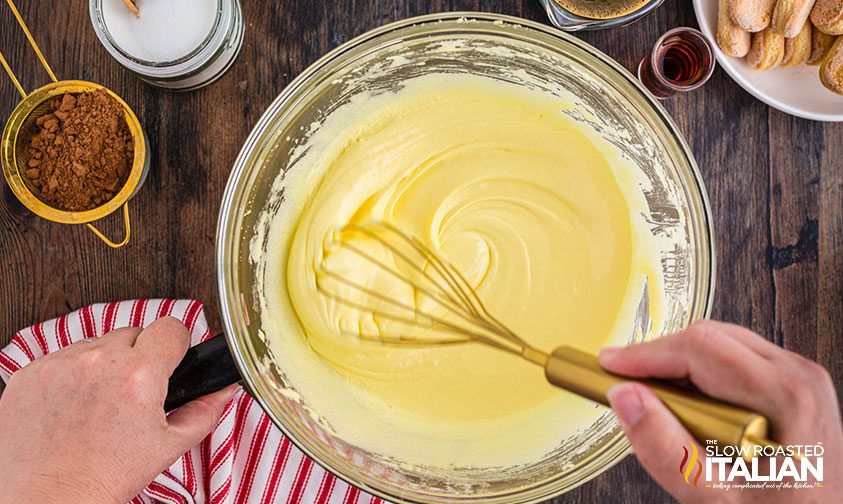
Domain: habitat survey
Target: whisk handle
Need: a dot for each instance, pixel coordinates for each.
(704, 417)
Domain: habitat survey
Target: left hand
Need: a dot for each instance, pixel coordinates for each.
(87, 424)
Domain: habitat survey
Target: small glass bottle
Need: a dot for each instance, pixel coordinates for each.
(681, 60)
(172, 44)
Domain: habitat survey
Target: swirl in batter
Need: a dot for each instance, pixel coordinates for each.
(525, 204)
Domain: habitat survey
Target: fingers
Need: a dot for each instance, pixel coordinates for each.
(733, 364)
(751, 340)
(188, 425)
(658, 440)
(125, 336)
(164, 343)
(712, 359)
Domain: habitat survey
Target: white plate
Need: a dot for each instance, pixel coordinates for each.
(796, 90)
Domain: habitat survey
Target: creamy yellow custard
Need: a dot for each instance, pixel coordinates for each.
(541, 216)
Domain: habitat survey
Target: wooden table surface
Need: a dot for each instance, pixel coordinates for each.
(775, 181)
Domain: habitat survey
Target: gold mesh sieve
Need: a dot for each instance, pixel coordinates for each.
(21, 127)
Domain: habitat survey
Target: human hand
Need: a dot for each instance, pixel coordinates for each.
(730, 363)
(87, 424)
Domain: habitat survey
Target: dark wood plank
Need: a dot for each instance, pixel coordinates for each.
(794, 230)
(829, 342)
(778, 213)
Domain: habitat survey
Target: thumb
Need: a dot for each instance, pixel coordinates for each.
(660, 441)
(189, 424)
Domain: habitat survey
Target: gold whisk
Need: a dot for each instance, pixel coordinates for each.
(21, 126)
(447, 310)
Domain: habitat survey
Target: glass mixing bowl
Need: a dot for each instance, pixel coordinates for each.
(606, 97)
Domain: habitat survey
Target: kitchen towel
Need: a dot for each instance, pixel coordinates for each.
(245, 459)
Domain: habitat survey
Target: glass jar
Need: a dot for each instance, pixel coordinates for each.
(199, 67)
(566, 20)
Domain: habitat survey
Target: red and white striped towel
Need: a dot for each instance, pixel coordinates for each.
(245, 459)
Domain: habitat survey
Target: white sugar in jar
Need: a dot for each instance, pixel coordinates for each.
(173, 44)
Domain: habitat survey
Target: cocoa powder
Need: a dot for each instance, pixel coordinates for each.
(82, 154)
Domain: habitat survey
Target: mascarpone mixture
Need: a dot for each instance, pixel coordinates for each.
(540, 215)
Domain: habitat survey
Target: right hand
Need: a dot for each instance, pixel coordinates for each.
(730, 363)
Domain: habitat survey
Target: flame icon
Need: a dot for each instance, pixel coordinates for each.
(689, 460)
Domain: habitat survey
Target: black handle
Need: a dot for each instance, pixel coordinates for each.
(206, 367)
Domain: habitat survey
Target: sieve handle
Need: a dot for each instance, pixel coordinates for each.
(205, 368)
(704, 417)
(34, 46)
(127, 235)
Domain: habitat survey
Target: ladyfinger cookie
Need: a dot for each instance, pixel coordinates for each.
(732, 39)
(752, 15)
(827, 16)
(820, 44)
(767, 49)
(831, 71)
(798, 48)
(789, 16)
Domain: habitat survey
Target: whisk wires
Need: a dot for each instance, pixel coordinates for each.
(454, 315)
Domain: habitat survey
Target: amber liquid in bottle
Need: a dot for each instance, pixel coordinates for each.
(601, 9)
(681, 62)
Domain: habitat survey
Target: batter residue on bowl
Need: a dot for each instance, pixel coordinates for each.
(541, 216)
